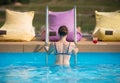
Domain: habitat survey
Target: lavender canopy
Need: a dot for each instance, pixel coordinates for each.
(57, 19)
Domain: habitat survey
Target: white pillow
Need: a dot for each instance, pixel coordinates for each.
(18, 26)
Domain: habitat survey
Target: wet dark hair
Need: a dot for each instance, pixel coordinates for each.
(63, 31)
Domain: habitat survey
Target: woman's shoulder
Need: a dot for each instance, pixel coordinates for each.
(72, 44)
(52, 43)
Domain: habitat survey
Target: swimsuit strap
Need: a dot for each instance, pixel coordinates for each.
(68, 48)
(55, 48)
(63, 48)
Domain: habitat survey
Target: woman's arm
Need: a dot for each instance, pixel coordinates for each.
(75, 48)
(49, 49)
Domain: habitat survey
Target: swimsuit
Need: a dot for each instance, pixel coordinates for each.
(64, 52)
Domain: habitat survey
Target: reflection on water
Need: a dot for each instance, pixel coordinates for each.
(103, 73)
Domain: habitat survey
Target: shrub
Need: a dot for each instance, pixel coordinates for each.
(5, 2)
(24, 1)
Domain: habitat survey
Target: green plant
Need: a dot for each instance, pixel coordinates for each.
(5, 2)
(24, 1)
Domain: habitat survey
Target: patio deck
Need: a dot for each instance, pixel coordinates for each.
(85, 45)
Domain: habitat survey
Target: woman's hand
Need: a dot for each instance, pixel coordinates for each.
(49, 48)
(76, 50)
(46, 48)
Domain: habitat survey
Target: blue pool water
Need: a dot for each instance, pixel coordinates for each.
(91, 67)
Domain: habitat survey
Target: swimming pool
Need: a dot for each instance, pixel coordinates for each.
(91, 67)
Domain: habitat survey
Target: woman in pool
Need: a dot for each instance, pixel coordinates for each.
(62, 49)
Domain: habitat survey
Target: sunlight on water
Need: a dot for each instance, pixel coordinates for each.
(57, 74)
(31, 68)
